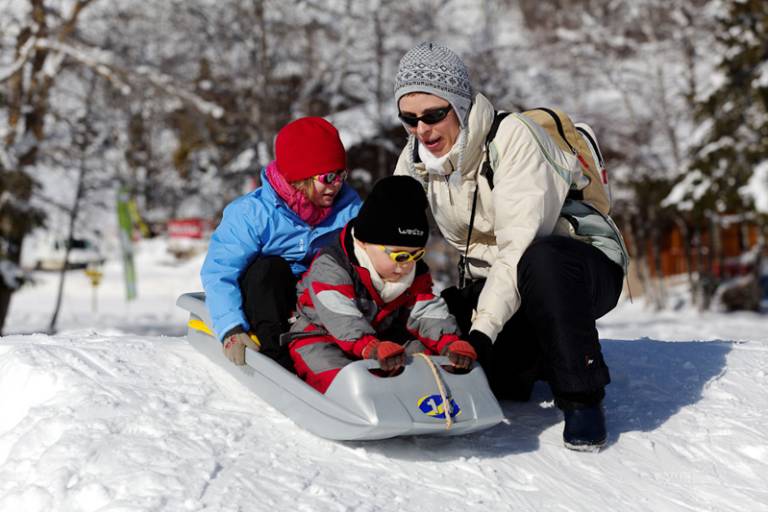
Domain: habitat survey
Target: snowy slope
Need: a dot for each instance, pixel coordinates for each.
(95, 418)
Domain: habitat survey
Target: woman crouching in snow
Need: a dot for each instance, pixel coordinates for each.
(369, 295)
(267, 238)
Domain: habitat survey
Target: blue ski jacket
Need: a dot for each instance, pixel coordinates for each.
(261, 223)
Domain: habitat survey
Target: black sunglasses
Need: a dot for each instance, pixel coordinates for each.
(433, 116)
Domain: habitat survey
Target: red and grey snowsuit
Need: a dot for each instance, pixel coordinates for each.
(337, 295)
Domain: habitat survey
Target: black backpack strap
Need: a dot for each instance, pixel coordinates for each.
(487, 170)
(415, 154)
(577, 195)
(559, 125)
(463, 257)
(593, 143)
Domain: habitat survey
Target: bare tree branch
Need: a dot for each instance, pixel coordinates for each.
(24, 52)
(102, 63)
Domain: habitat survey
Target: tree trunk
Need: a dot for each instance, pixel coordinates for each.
(687, 255)
(5, 302)
(82, 138)
(380, 95)
(638, 239)
(14, 224)
(658, 272)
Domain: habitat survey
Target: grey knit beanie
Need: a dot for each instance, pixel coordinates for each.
(435, 69)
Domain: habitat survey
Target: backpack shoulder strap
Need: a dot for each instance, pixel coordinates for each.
(559, 125)
(487, 170)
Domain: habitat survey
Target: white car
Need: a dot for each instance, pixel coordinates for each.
(82, 253)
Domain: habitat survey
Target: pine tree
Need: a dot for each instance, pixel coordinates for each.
(734, 116)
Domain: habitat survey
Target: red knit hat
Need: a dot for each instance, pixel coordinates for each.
(307, 147)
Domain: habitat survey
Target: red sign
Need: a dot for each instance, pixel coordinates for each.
(187, 228)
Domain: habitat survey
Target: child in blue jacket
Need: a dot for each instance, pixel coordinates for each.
(267, 238)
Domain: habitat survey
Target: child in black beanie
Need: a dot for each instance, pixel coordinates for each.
(369, 295)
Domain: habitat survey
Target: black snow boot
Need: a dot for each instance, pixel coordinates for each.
(584, 420)
(584, 428)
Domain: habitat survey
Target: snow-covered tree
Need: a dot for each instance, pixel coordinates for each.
(631, 69)
(733, 113)
(730, 142)
(44, 46)
(31, 33)
(189, 95)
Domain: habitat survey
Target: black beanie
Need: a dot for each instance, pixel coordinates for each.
(394, 214)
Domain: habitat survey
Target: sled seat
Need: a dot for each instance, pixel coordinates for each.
(358, 405)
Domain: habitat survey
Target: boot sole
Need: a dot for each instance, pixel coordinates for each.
(588, 448)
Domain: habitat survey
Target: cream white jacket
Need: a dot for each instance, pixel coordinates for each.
(525, 202)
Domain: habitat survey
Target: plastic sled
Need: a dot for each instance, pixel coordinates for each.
(358, 405)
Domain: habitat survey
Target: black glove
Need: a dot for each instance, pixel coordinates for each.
(458, 307)
(482, 345)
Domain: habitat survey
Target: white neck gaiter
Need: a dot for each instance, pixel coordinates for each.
(440, 164)
(388, 291)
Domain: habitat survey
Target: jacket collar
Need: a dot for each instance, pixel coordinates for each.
(346, 242)
(479, 124)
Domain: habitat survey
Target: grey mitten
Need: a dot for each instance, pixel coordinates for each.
(235, 342)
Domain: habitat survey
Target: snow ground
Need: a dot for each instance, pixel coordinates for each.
(116, 412)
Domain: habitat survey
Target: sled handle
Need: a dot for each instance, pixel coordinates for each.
(373, 364)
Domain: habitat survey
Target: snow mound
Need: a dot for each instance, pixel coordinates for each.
(94, 421)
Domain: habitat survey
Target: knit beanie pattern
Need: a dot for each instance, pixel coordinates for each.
(307, 147)
(435, 69)
(394, 213)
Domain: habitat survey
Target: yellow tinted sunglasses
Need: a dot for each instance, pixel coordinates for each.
(404, 256)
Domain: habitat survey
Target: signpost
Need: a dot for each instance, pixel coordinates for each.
(94, 273)
(126, 242)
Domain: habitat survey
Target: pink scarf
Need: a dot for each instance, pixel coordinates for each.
(296, 199)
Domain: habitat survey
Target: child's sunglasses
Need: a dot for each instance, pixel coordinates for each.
(330, 178)
(404, 256)
(430, 117)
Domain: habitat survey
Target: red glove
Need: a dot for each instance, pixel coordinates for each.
(461, 353)
(391, 356)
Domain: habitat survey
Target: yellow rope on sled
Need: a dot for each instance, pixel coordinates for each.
(447, 408)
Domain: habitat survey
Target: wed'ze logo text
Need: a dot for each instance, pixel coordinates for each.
(432, 405)
(410, 231)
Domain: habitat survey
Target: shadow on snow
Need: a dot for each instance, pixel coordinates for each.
(651, 381)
